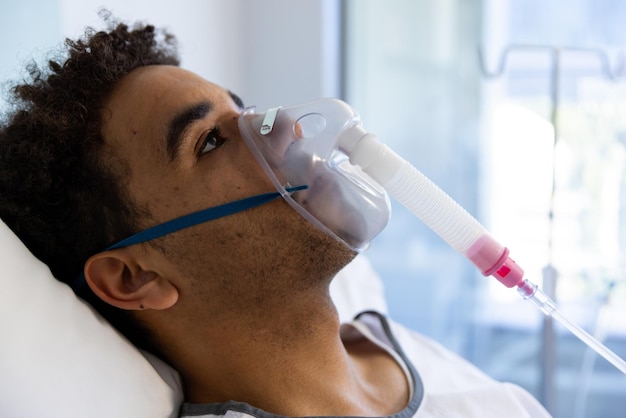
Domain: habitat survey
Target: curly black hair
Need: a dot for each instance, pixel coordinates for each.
(61, 194)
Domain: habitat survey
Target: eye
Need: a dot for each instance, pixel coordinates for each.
(211, 140)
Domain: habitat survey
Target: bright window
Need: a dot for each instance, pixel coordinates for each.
(486, 137)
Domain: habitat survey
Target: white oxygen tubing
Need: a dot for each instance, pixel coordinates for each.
(457, 227)
(417, 193)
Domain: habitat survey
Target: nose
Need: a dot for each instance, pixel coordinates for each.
(273, 141)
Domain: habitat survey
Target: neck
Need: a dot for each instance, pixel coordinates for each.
(288, 361)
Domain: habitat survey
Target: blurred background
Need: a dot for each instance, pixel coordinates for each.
(516, 108)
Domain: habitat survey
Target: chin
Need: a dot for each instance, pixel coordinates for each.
(327, 254)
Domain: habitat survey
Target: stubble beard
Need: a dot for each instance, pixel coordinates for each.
(261, 265)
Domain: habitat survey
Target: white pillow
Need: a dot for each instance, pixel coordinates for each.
(59, 358)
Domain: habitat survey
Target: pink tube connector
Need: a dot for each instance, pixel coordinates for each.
(434, 207)
(492, 259)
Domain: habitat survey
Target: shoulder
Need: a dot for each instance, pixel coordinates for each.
(452, 385)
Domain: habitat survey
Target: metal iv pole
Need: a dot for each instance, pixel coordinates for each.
(549, 272)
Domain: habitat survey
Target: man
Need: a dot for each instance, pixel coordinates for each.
(117, 139)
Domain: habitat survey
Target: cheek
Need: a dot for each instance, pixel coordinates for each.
(175, 199)
(223, 177)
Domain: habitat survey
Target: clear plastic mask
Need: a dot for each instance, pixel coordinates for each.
(300, 145)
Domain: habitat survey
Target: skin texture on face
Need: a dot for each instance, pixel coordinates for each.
(240, 298)
(163, 122)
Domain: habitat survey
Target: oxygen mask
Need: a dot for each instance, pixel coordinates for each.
(305, 145)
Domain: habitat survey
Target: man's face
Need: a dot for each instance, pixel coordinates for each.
(178, 135)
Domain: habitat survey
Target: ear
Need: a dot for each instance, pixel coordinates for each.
(118, 278)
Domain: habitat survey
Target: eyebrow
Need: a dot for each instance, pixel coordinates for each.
(181, 123)
(236, 99)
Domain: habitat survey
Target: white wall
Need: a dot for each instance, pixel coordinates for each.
(27, 29)
(209, 31)
(291, 51)
(270, 52)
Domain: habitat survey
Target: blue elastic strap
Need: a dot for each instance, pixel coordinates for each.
(192, 219)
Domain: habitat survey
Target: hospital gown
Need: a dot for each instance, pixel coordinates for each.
(441, 383)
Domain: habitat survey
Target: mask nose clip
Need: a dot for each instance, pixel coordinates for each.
(268, 121)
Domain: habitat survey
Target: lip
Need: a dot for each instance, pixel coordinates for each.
(324, 196)
(329, 203)
(320, 183)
